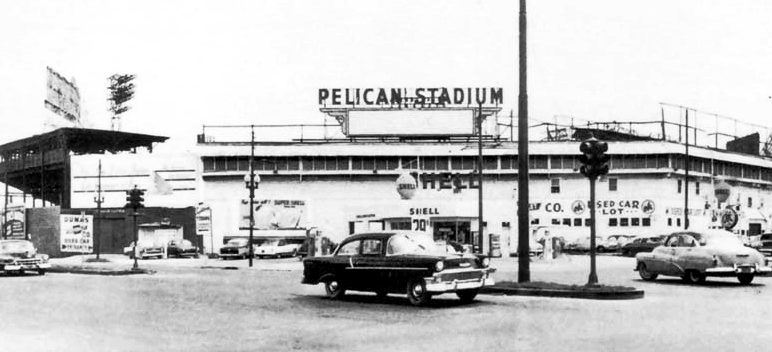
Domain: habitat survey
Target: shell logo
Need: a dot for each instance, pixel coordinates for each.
(406, 186)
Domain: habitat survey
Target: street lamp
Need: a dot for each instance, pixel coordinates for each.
(252, 180)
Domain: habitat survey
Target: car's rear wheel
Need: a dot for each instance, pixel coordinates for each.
(41, 272)
(467, 296)
(601, 249)
(382, 293)
(334, 289)
(694, 277)
(417, 294)
(645, 273)
(745, 279)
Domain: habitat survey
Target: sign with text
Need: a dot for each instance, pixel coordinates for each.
(15, 223)
(274, 214)
(76, 233)
(203, 221)
(410, 98)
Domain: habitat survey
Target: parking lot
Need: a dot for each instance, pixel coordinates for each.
(196, 305)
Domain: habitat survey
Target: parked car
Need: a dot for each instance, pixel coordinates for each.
(398, 262)
(146, 248)
(277, 248)
(16, 256)
(534, 248)
(235, 248)
(642, 244)
(615, 242)
(583, 245)
(766, 244)
(181, 249)
(694, 255)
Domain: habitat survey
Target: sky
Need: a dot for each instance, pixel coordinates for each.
(205, 62)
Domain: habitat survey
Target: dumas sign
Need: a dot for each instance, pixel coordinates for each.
(404, 97)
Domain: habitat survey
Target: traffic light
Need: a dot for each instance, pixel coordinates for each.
(135, 199)
(594, 160)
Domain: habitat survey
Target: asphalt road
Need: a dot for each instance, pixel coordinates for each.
(186, 308)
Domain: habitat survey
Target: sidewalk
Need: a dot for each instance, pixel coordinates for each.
(116, 264)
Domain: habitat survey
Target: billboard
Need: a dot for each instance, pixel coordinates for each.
(274, 214)
(15, 223)
(76, 233)
(62, 97)
(435, 122)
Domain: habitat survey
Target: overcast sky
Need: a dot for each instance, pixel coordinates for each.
(262, 62)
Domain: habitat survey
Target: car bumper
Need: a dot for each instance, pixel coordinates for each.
(229, 255)
(438, 284)
(741, 269)
(17, 267)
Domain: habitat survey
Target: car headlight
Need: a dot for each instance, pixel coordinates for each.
(486, 262)
(44, 257)
(439, 265)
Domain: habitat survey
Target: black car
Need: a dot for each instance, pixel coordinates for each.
(180, 249)
(766, 244)
(398, 262)
(641, 244)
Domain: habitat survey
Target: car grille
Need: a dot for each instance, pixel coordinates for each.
(463, 275)
(28, 261)
(229, 250)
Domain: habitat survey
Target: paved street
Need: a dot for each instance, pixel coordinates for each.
(184, 307)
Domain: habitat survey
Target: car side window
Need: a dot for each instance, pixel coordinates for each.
(351, 248)
(687, 241)
(672, 241)
(371, 247)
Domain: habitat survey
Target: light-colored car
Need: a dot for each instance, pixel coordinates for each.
(16, 256)
(694, 255)
(616, 242)
(583, 245)
(277, 248)
(534, 248)
(145, 249)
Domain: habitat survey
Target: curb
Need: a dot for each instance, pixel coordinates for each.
(94, 271)
(599, 295)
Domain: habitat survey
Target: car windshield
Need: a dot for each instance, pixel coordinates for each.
(16, 247)
(238, 242)
(270, 243)
(416, 244)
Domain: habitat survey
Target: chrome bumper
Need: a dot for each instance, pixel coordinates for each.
(17, 267)
(739, 269)
(437, 285)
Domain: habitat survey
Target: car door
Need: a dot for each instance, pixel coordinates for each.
(683, 257)
(342, 264)
(370, 267)
(662, 256)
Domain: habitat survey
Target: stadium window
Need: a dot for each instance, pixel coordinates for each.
(624, 222)
(577, 221)
(555, 185)
(567, 222)
(490, 162)
(750, 202)
(612, 222)
(678, 222)
(219, 164)
(697, 188)
(612, 184)
(208, 164)
(555, 221)
(646, 221)
(535, 222)
(679, 186)
(587, 222)
(669, 221)
(635, 222)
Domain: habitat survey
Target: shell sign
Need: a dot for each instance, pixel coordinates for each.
(722, 191)
(406, 186)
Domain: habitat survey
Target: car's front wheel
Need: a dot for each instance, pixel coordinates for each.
(694, 277)
(334, 289)
(467, 296)
(645, 273)
(417, 294)
(745, 279)
(42, 272)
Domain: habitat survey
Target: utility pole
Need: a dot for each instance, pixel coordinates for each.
(480, 240)
(523, 221)
(97, 222)
(686, 176)
(251, 196)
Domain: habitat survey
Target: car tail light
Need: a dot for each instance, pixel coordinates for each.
(439, 265)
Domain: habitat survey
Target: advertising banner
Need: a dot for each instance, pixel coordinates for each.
(204, 221)
(15, 224)
(274, 214)
(76, 233)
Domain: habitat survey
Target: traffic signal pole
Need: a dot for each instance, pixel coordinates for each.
(593, 280)
(594, 163)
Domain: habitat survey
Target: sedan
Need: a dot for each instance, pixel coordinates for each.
(695, 255)
(398, 262)
(16, 256)
(181, 249)
(642, 244)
